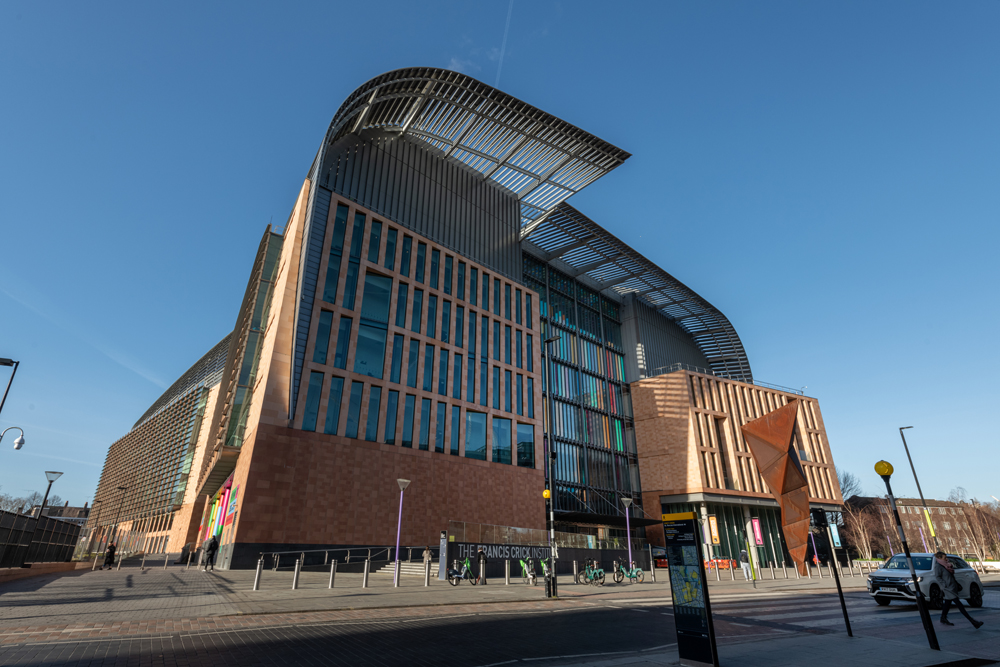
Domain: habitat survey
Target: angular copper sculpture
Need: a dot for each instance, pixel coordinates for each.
(770, 442)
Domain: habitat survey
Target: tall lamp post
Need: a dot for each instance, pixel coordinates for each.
(97, 525)
(403, 483)
(884, 470)
(627, 502)
(927, 514)
(551, 586)
(19, 441)
(121, 503)
(15, 364)
(52, 476)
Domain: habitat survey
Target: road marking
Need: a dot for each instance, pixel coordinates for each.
(577, 655)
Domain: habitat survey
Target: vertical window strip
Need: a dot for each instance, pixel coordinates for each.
(391, 408)
(456, 423)
(322, 344)
(313, 396)
(354, 409)
(439, 424)
(343, 343)
(374, 401)
(435, 267)
(460, 282)
(333, 405)
(408, 409)
(449, 262)
(456, 380)
(390, 249)
(443, 373)
(425, 424)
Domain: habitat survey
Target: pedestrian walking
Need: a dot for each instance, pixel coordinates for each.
(109, 556)
(210, 549)
(745, 564)
(428, 556)
(481, 558)
(944, 571)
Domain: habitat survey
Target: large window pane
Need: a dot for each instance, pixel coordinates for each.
(519, 349)
(459, 326)
(449, 262)
(528, 353)
(397, 358)
(408, 407)
(425, 424)
(432, 312)
(527, 310)
(369, 355)
(470, 382)
(484, 378)
(526, 446)
(404, 260)
(390, 249)
(506, 300)
(460, 282)
(332, 278)
(418, 308)
(374, 400)
(520, 394)
(401, 293)
(443, 373)
(428, 368)
(445, 321)
(456, 418)
(357, 235)
(374, 241)
(530, 391)
(506, 391)
(456, 377)
(411, 363)
(375, 304)
(496, 296)
(313, 396)
(333, 405)
(351, 285)
(475, 435)
(517, 306)
(496, 340)
(323, 337)
(439, 428)
(506, 344)
(343, 342)
(354, 409)
(391, 408)
(474, 286)
(501, 440)
(486, 291)
(496, 388)
(472, 333)
(435, 267)
(421, 258)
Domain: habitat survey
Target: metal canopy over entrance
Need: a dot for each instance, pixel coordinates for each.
(591, 252)
(540, 158)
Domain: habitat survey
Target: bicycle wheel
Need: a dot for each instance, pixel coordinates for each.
(638, 576)
(453, 580)
(473, 580)
(618, 576)
(599, 578)
(524, 578)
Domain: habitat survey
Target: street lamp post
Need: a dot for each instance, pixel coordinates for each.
(15, 364)
(19, 442)
(884, 470)
(97, 525)
(403, 483)
(52, 476)
(627, 502)
(927, 514)
(121, 503)
(551, 586)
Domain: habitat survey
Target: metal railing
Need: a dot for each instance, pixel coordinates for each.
(53, 542)
(673, 368)
(323, 557)
(462, 531)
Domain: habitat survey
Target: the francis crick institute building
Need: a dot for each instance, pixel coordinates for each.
(395, 328)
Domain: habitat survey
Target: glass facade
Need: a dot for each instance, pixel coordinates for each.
(591, 409)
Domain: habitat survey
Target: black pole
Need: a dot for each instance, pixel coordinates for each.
(38, 520)
(923, 502)
(819, 518)
(925, 617)
(13, 373)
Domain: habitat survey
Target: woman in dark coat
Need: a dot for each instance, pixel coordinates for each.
(944, 571)
(109, 556)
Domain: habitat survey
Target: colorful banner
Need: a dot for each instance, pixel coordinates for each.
(713, 527)
(757, 535)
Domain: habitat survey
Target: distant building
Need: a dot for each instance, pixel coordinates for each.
(77, 515)
(950, 521)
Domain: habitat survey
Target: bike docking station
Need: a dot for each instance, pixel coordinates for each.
(692, 608)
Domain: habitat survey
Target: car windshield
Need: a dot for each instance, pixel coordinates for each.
(899, 563)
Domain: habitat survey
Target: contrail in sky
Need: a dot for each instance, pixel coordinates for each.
(503, 46)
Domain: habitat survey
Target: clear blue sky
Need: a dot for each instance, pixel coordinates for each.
(824, 173)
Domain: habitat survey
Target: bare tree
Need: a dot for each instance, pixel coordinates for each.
(54, 501)
(9, 503)
(850, 485)
(861, 529)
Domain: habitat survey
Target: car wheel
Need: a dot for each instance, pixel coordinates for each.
(975, 596)
(936, 597)
(882, 601)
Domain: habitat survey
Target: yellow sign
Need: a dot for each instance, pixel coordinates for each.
(678, 517)
(930, 524)
(713, 526)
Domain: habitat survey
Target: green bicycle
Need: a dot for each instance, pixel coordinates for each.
(634, 574)
(591, 574)
(455, 576)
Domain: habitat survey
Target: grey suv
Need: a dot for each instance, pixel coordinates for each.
(893, 582)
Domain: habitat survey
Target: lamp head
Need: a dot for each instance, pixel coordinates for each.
(627, 502)
(403, 483)
(553, 339)
(903, 428)
(52, 475)
(546, 494)
(884, 469)
(19, 442)
(7, 362)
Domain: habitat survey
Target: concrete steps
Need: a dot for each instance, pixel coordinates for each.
(409, 569)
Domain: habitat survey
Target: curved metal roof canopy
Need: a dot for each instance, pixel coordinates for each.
(590, 250)
(540, 158)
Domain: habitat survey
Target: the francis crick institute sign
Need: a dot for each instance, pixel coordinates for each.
(463, 550)
(692, 609)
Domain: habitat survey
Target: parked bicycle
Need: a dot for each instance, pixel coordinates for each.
(455, 576)
(528, 575)
(634, 574)
(591, 573)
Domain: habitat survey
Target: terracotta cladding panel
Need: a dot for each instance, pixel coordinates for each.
(313, 488)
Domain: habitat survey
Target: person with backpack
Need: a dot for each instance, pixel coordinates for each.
(745, 564)
(210, 549)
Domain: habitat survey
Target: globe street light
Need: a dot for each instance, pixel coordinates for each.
(403, 483)
(19, 442)
(927, 514)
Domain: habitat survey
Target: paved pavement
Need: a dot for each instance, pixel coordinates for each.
(188, 617)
